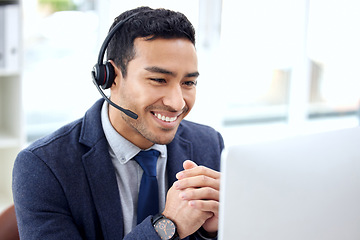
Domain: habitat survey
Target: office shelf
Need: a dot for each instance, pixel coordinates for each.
(12, 135)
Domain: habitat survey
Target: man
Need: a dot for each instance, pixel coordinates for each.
(82, 181)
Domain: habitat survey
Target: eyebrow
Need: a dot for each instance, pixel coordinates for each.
(167, 72)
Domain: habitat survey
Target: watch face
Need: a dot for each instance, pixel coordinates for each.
(165, 228)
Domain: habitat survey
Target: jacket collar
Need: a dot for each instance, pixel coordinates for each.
(91, 131)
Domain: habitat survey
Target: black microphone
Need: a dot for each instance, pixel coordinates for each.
(126, 111)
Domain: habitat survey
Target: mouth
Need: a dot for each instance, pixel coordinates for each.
(164, 118)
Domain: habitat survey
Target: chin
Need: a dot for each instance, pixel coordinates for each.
(164, 138)
(165, 141)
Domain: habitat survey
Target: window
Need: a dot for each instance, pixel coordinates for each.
(334, 50)
(286, 66)
(60, 44)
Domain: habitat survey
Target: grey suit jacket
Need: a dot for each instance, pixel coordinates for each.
(64, 185)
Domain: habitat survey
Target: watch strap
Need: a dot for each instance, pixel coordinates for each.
(156, 218)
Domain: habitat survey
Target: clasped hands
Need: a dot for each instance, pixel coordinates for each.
(193, 200)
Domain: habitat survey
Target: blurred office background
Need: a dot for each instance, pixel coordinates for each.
(269, 68)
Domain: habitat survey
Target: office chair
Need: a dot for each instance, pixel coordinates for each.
(8, 224)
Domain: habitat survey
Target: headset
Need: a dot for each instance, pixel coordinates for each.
(103, 74)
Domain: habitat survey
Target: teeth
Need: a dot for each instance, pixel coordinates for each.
(166, 119)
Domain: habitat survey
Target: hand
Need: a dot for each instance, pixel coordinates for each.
(200, 187)
(187, 219)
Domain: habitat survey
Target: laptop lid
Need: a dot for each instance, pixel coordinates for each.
(305, 187)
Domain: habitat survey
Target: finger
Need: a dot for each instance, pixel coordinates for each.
(197, 182)
(205, 193)
(206, 206)
(188, 164)
(196, 171)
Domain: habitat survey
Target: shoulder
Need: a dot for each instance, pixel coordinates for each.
(64, 134)
(71, 140)
(59, 146)
(206, 143)
(198, 132)
(188, 127)
(87, 130)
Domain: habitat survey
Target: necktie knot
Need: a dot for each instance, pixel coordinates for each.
(147, 160)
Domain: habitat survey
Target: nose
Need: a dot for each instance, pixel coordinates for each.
(173, 98)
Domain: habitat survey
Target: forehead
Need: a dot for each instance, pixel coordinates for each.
(175, 53)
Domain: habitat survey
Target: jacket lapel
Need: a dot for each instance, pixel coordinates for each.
(103, 185)
(101, 175)
(179, 150)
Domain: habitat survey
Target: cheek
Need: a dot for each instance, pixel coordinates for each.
(146, 96)
(190, 98)
(133, 93)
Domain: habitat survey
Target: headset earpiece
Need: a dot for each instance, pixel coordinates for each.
(110, 75)
(104, 75)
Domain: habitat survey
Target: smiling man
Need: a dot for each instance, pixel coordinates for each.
(90, 179)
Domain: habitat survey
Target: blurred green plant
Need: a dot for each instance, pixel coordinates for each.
(58, 5)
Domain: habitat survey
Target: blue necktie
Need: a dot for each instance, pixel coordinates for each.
(148, 201)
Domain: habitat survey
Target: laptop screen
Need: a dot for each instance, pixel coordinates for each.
(305, 187)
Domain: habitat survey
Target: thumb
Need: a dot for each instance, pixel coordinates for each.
(188, 164)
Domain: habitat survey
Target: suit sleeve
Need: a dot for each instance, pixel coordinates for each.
(143, 231)
(40, 204)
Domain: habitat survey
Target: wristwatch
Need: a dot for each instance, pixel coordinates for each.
(165, 228)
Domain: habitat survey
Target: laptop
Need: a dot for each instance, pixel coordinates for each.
(305, 187)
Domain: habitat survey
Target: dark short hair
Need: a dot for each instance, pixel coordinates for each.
(148, 22)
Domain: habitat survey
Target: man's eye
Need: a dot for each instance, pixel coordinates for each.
(159, 80)
(190, 83)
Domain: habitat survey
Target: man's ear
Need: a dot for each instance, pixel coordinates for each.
(118, 74)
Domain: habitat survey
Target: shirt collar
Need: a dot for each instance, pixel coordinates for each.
(123, 149)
